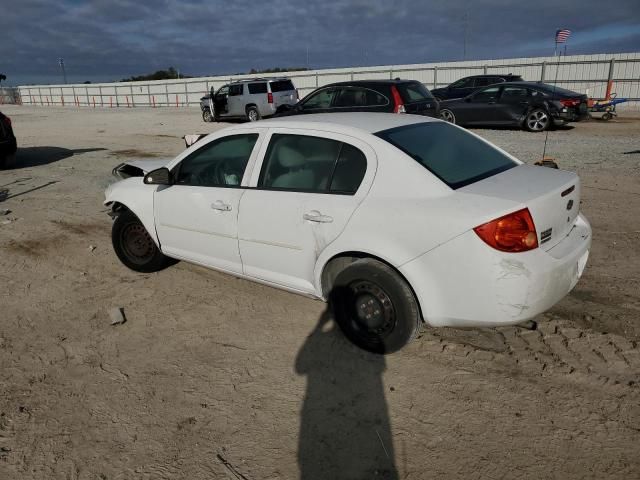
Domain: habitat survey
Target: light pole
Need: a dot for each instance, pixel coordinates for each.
(64, 74)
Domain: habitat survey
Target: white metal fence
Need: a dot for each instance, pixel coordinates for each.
(583, 73)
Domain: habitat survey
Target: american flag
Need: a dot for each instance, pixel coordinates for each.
(562, 35)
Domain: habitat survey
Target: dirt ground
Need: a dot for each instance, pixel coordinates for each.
(212, 377)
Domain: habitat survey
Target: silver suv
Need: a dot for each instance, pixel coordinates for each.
(250, 99)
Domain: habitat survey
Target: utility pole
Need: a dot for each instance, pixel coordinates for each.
(64, 74)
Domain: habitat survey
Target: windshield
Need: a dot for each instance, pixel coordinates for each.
(453, 155)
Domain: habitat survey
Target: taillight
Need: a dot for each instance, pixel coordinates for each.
(397, 101)
(270, 97)
(515, 232)
(570, 102)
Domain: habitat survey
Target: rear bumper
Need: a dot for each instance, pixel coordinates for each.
(569, 116)
(467, 283)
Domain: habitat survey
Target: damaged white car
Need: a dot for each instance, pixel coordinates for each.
(394, 219)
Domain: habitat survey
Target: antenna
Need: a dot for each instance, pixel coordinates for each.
(561, 35)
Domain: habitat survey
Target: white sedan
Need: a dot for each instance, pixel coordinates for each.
(394, 219)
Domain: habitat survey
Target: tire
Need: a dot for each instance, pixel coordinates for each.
(374, 306)
(447, 115)
(206, 115)
(253, 115)
(537, 120)
(134, 246)
(606, 117)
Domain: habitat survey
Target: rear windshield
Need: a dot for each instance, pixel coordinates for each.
(559, 91)
(282, 86)
(453, 155)
(413, 92)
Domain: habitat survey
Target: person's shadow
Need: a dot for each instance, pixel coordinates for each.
(345, 431)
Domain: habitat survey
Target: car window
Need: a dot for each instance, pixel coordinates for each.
(486, 95)
(257, 87)
(320, 99)
(220, 163)
(452, 154)
(514, 93)
(302, 162)
(483, 82)
(223, 90)
(235, 90)
(349, 171)
(281, 85)
(413, 92)
(463, 83)
(359, 97)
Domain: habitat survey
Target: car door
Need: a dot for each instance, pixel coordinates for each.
(360, 99)
(196, 216)
(480, 108)
(307, 188)
(221, 100)
(235, 100)
(513, 104)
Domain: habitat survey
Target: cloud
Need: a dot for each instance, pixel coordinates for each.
(107, 40)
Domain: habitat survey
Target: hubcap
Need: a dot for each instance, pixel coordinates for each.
(447, 116)
(137, 243)
(537, 120)
(253, 115)
(374, 312)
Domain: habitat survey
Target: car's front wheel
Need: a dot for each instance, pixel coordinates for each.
(537, 120)
(447, 115)
(374, 306)
(206, 115)
(134, 246)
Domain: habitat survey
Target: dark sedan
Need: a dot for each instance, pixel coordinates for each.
(394, 96)
(467, 85)
(8, 145)
(529, 105)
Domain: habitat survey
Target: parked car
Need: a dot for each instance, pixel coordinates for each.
(8, 143)
(395, 219)
(396, 96)
(250, 99)
(529, 105)
(467, 85)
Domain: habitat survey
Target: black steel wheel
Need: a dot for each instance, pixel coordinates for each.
(374, 306)
(134, 246)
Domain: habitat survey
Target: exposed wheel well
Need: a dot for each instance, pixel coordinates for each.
(249, 106)
(339, 262)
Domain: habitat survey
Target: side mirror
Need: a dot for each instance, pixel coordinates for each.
(159, 176)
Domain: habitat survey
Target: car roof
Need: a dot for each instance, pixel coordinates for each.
(368, 122)
(260, 79)
(381, 81)
(493, 75)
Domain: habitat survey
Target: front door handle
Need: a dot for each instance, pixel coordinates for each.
(221, 206)
(316, 216)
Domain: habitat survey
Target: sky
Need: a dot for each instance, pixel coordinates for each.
(107, 40)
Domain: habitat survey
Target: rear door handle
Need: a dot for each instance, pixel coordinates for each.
(316, 216)
(221, 206)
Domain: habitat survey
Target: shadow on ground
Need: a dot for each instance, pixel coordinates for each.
(345, 431)
(36, 156)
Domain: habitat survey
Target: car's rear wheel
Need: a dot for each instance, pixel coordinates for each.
(447, 115)
(134, 246)
(374, 306)
(537, 120)
(253, 115)
(206, 115)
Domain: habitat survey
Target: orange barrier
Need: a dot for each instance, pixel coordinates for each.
(609, 87)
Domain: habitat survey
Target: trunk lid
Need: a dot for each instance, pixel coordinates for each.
(284, 93)
(552, 197)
